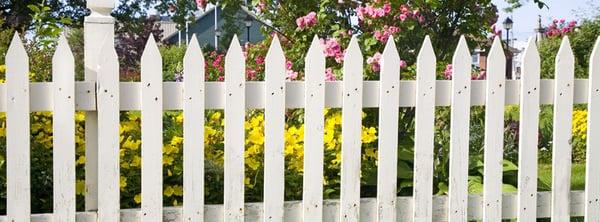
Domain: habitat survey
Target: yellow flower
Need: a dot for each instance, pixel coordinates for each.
(2, 69)
(169, 191)
(178, 190)
(132, 144)
(137, 198)
(80, 187)
(176, 140)
(168, 160)
(80, 160)
(136, 161)
(216, 116)
(123, 183)
(179, 118)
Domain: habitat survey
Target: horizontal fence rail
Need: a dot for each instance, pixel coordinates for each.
(107, 96)
(293, 210)
(41, 94)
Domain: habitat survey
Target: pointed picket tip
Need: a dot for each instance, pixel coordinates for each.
(234, 53)
(353, 50)
(426, 50)
(315, 51)
(193, 53)
(565, 51)
(151, 49)
(275, 50)
(16, 49)
(63, 50)
(390, 53)
(462, 50)
(531, 50)
(496, 51)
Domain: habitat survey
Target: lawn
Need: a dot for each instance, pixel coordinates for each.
(545, 177)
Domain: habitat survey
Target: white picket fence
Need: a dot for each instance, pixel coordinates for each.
(107, 96)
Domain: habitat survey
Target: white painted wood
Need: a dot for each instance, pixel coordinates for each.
(314, 103)
(528, 133)
(235, 83)
(424, 116)
(293, 210)
(193, 125)
(388, 133)
(108, 134)
(63, 132)
(152, 138)
(41, 94)
(592, 176)
(18, 197)
(561, 136)
(274, 175)
(98, 28)
(494, 132)
(351, 133)
(459, 133)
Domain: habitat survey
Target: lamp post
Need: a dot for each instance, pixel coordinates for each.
(248, 22)
(508, 25)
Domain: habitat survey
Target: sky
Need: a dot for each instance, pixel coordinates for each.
(525, 18)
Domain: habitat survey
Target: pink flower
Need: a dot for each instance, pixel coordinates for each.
(331, 48)
(291, 75)
(307, 21)
(329, 76)
(374, 62)
(259, 60)
(383, 36)
(250, 74)
(221, 78)
(403, 17)
(403, 64)
(448, 72)
(260, 7)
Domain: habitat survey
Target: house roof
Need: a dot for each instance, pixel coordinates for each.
(208, 11)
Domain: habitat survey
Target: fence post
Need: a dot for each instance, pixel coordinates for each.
(97, 27)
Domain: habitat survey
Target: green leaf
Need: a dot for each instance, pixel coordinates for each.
(475, 184)
(508, 166)
(508, 188)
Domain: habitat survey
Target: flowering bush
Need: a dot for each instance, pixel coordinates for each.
(559, 28)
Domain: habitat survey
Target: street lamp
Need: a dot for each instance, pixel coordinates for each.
(248, 22)
(508, 24)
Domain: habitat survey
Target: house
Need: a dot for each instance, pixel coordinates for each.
(204, 28)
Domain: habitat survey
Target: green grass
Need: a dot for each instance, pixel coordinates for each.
(545, 177)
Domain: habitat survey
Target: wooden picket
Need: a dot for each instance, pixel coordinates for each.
(459, 133)
(64, 96)
(152, 128)
(193, 125)
(18, 195)
(494, 133)
(274, 136)
(63, 136)
(107, 99)
(562, 132)
(528, 131)
(424, 116)
(351, 133)
(235, 110)
(314, 100)
(388, 133)
(592, 178)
